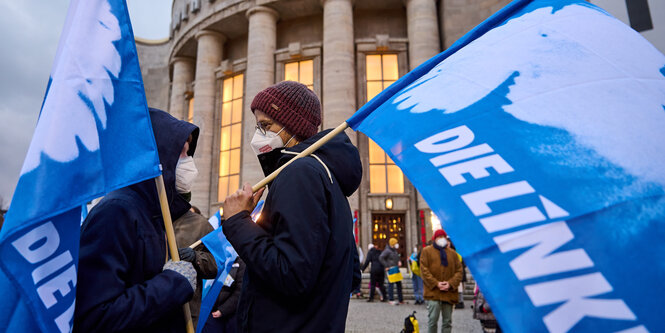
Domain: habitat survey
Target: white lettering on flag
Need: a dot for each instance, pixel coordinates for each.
(477, 201)
(477, 168)
(512, 219)
(45, 232)
(574, 292)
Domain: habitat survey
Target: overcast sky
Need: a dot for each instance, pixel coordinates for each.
(29, 33)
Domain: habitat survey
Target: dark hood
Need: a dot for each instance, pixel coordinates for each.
(170, 136)
(339, 155)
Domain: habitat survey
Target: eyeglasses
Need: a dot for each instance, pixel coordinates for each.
(263, 126)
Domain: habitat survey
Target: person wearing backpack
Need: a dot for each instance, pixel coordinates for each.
(414, 263)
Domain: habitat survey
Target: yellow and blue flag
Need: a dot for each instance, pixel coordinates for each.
(538, 141)
(93, 136)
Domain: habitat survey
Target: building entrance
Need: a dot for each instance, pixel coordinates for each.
(386, 226)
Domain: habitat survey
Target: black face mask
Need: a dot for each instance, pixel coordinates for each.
(269, 160)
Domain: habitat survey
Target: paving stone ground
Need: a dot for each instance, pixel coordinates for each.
(364, 317)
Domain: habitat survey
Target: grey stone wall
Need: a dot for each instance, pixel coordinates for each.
(153, 59)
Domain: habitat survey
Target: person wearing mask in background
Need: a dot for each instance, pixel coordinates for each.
(441, 271)
(301, 255)
(191, 227)
(389, 259)
(414, 263)
(125, 280)
(376, 272)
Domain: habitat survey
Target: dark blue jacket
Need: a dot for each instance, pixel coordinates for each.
(121, 286)
(301, 256)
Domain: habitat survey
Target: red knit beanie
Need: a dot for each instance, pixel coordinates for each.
(293, 105)
(439, 233)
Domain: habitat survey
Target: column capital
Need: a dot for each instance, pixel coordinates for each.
(188, 60)
(202, 33)
(323, 2)
(262, 9)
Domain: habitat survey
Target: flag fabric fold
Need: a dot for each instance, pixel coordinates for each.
(537, 140)
(93, 136)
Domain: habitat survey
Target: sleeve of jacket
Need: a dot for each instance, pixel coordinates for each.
(366, 263)
(383, 258)
(206, 267)
(457, 278)
(229, 305)
(429, 280)
(290, 261)
(104, 301)
(357, 275)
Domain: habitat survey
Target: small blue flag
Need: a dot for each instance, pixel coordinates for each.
(225, 255)
(538, 141)
(93, 136)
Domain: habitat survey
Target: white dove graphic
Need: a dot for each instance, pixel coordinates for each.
(579, 70)
(81, 85)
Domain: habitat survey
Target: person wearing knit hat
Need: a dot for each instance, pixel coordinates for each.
(390, 260)
(301, 257)
(441, 271)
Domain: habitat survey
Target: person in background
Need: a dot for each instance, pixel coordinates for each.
(460, 304)
(441, 271)
(390, 258)
(376, 272)
(414, 263)
(301, 255)
(223, 318)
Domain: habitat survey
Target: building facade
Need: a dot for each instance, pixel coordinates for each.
(221, 53)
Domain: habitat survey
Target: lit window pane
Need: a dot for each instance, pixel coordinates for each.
(235, 162)
(373, 89)
(390, 67)
(225, 142)
(311, 87)
(387, 84)
(291, 71)
(306, 72)
(237, 111)
(376, 154)
(227, 94)
(234, 183)
(223, 190)
(389, 160)
(377, 178)
(224, 163)
(226, 113)
(237, 86)
(395, 179)
(236, 135)
(373, 67)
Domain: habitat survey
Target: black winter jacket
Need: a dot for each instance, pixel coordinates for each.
(121, 285)
(373, 259)
(227, 301)
(301, 256)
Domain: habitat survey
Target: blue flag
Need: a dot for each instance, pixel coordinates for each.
(225, 255)
(93, 136)
(538, 140)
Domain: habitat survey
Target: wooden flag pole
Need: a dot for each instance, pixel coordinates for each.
(170, 238)
(316, 145)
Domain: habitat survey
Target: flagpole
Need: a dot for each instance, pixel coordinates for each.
(170, 237)
(316, 145)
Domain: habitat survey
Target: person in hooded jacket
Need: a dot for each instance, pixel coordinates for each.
(377, 274)
(301, 257)
(390, 258)
(125, 283)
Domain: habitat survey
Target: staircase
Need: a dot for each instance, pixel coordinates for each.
(407, 286)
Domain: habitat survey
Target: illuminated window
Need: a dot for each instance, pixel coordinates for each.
(190, 110)
(384, 175)
(300, 71)
(230, 138)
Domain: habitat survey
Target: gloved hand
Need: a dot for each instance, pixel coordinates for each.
(184, 268)
(187, 254)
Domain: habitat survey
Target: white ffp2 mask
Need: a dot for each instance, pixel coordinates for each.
(264, 143)
(185, 173)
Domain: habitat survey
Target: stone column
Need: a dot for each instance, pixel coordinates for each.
(260, 74)
(183, 74)
(423, 31)
(208, 57)
(339, 70)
